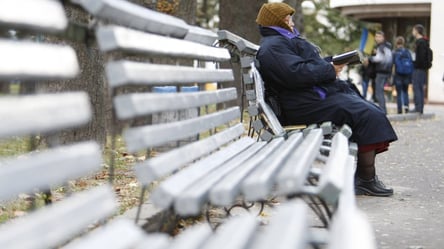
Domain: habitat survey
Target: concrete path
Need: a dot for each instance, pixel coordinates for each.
(414, 217)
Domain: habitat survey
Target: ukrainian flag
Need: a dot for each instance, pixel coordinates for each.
(367, 41)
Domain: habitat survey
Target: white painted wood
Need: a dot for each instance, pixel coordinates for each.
(139, 104)
(165, 194)
(236, 233)
(121, 73)
(350, 227)
(112, 38)
(120, 234)
(24, 60)
(53, 225)
(51, 168)
(138, 138)
(31, 14)
(167, 162)
(291, 177)
(332, 180)
(259, 184)
(135, 16)
(270, 117)
(200, 35)
(22, 115)
(191, 201)
(287, 229)
(242, 45)
(228, 188)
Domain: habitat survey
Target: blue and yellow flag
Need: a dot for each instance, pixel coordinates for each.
(367, 41)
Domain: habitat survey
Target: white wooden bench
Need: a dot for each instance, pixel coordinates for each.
(217, 177)
(29, 63)
(221, 167)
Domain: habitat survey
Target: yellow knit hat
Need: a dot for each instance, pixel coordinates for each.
(273, 14)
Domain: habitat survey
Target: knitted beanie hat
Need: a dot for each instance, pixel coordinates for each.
(273, 14)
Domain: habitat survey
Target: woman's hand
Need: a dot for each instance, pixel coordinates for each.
(338, 68)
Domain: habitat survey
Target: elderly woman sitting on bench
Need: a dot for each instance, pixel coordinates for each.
(308, 91)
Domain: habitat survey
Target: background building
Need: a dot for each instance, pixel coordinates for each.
(397, 17)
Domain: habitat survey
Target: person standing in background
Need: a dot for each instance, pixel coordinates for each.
(383, 60)
(402, 60)
(421, 65)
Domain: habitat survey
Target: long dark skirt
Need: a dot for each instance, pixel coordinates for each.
(368, 122)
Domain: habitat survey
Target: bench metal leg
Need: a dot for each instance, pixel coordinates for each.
(317, 205)
(141, 200)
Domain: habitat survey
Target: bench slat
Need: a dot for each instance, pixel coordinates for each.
(164, 195)
(25, 60)
(135, 16)
(46, 112)
(154, 241)
(53, 168)
(242, 45)
(236, 233)
(259, 184)
(167, 162)
(271, 118)
(291, 177)
(138, 138)
(193, 237)
(288, 228)
(55, 224)
(350, 227)
(226, 190)
(120, 73)
(190, 201)
(29, 14)
(200, 35)
(138, 104)
(120, 234)
(332, 180)
(112, 38)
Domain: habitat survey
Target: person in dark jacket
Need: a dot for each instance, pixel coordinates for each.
(419, 76)
(402, 80)
(308, 91)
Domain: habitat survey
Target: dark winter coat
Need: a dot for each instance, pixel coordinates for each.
(421, 54)
(306, 88)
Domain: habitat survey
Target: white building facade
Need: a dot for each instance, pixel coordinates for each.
(397, 17)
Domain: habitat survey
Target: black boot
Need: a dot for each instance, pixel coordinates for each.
(372, 187)
(366, 181)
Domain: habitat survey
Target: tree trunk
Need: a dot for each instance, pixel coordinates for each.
(187, 11)
(239, 17)
(91, 80)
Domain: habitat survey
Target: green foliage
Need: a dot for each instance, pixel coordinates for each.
(331, 31)
(207, 14)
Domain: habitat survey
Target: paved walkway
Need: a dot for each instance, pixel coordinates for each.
(414, 217)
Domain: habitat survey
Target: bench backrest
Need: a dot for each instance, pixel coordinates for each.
(190, 51)
(266, 123)
(27, 62)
